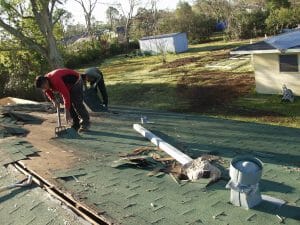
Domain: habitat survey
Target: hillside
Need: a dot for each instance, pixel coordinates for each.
(206, 80)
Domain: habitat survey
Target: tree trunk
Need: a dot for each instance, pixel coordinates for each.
(88, 24)
(54, 57)
(44, 21)
(126, 35)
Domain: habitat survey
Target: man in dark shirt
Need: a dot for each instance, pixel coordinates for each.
(69, 85)
(95, 77)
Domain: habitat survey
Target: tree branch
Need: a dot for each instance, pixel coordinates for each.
(38, 16)
(61, 13)
(93, 5)
(26, 40)
(52, 6)
(35, 9)
(82, 5)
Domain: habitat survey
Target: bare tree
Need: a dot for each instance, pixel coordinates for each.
(146, 19)
(128, 15)
(88, 7)
(220, 9)
(153, 10)
(41, 12)
(112, 15)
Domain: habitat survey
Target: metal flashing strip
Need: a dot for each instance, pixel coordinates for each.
(81, 210)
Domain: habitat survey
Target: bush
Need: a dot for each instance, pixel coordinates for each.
(116, 48)
(84, 52)
(4, 78)
(134, 45)
(18, 70)
(282, 18)
(245, 24)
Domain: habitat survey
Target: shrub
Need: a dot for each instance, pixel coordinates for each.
(18, 70)
(84, 52)
(116, 48)
(245, 24)
(282, 18)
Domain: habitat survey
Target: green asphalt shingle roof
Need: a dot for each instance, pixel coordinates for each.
(129, 196)
(30, 205)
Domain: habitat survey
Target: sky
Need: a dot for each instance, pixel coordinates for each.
(99, 12)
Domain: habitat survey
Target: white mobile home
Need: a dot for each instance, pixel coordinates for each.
(276, 62)
(175, 42)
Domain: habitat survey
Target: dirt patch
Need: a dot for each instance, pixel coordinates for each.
(177, 63)
(199, 60)
(53, 155)
(220, 55)
(275, 119)
(207, 89)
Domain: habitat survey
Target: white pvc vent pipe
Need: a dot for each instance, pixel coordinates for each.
(182, 158)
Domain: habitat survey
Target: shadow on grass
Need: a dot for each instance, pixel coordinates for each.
(205, 92)
(213, 48)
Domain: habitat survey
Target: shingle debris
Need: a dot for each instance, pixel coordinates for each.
(13, 150)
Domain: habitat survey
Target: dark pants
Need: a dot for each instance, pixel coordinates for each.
(78, 111)
(102, 89)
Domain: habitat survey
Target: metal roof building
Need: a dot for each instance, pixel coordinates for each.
(174, 42)
(276, 62)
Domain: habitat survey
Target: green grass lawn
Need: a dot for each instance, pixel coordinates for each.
(186, 84)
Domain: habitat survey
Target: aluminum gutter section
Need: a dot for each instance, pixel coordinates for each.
(247, 52)
(244, 52)
(182, 158)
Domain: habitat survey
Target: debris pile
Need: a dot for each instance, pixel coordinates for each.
(194, 168)
(202, 168)
(156, 161)
(10, 123)
(17, 104)
(14, 150)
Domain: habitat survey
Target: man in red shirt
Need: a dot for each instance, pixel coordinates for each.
(69, 84)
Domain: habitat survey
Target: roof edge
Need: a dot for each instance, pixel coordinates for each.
(161, 36)
(297, 50)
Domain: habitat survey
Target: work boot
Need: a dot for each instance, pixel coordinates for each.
(84, 128)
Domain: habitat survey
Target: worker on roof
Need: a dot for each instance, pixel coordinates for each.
(69, 85)
(95, 78)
